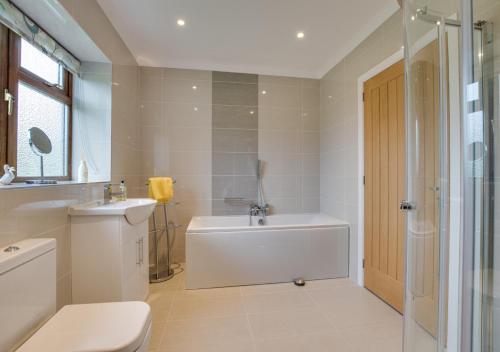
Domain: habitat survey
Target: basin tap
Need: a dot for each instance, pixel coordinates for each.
(109, 194)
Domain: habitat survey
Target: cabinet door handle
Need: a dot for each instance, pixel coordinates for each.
(138, 261)
(142, 250)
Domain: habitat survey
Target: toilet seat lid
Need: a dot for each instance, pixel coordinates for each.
(99, 327)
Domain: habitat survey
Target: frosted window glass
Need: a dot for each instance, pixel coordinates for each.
(40, 64)
(38, 110)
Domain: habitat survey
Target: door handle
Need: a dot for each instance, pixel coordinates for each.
(406, 206)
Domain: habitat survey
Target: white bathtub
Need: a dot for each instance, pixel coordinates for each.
(226, 251)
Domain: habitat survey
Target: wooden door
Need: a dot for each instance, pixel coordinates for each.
(384, 139)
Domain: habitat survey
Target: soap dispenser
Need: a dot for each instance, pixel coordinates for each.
(123, 191)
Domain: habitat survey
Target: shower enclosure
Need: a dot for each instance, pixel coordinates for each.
(452, 60)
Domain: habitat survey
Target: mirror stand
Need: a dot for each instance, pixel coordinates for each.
(42, 180)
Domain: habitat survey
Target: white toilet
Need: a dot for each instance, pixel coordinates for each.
(28, 304)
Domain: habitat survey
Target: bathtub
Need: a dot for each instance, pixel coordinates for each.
(227, 251)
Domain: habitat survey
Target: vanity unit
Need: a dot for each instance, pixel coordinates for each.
(109, 251)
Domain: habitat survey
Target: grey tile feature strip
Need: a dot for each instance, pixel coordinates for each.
(228, 93)
(234, 141)
(229, 116)
(218, 76)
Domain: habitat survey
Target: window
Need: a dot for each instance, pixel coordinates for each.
(41, 89)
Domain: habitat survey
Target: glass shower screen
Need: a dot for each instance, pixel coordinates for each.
(452, 57)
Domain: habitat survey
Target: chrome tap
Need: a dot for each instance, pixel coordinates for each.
(259, 210)
(109, 194)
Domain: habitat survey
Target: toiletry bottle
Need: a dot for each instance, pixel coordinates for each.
(123, 191)
(83, 172)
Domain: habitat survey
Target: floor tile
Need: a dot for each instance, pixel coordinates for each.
(212, 346)
(228, 329)
(288, 323)
(276, 301)
(209, 292)
(280, 287)
(324, 316)
(206, 307)
(330, 341)
(329, 283)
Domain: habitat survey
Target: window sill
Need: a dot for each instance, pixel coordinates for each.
(22, 185)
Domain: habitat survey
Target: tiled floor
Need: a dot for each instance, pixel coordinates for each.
(323, 316)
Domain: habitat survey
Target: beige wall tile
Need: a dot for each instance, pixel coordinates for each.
(188, 115)
(279, 96)
(279, 80)
(187, 91)
(196, 75)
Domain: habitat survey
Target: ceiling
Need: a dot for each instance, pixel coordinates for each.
(253, 36)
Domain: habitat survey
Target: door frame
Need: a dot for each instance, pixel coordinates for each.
(388, 62)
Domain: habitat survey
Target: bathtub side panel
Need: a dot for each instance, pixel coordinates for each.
(221, 259)
(245, 257)
(328, 253)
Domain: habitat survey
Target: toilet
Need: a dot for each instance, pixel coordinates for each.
(28, 318)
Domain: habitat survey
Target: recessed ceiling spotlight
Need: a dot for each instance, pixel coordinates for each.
(300, 35)
(181, 22)
(252, 112)
(195, 87)
(195, 108)
(264, 92)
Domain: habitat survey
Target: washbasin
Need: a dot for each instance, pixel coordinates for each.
(135, 210)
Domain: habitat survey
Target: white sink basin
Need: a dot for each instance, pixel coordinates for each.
(135, 210)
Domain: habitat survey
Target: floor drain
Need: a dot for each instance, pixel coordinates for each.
(299, 282)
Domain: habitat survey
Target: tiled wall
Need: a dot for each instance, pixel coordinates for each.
(176, 116)
(126, 136)
(289, 143)
(43, 212)
(234, 142)
(339, 129)
(207, 129)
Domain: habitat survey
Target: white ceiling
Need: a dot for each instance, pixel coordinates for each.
(254, 36)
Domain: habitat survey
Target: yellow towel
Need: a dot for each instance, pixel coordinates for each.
(161, 189)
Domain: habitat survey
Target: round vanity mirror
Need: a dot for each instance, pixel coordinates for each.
(40, 145)
(39, 141)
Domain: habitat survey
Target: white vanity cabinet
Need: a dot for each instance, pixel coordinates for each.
(109, 258)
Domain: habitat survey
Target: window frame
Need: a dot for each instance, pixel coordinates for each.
(15, 74)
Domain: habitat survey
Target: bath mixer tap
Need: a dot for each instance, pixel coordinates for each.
(259, 210)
